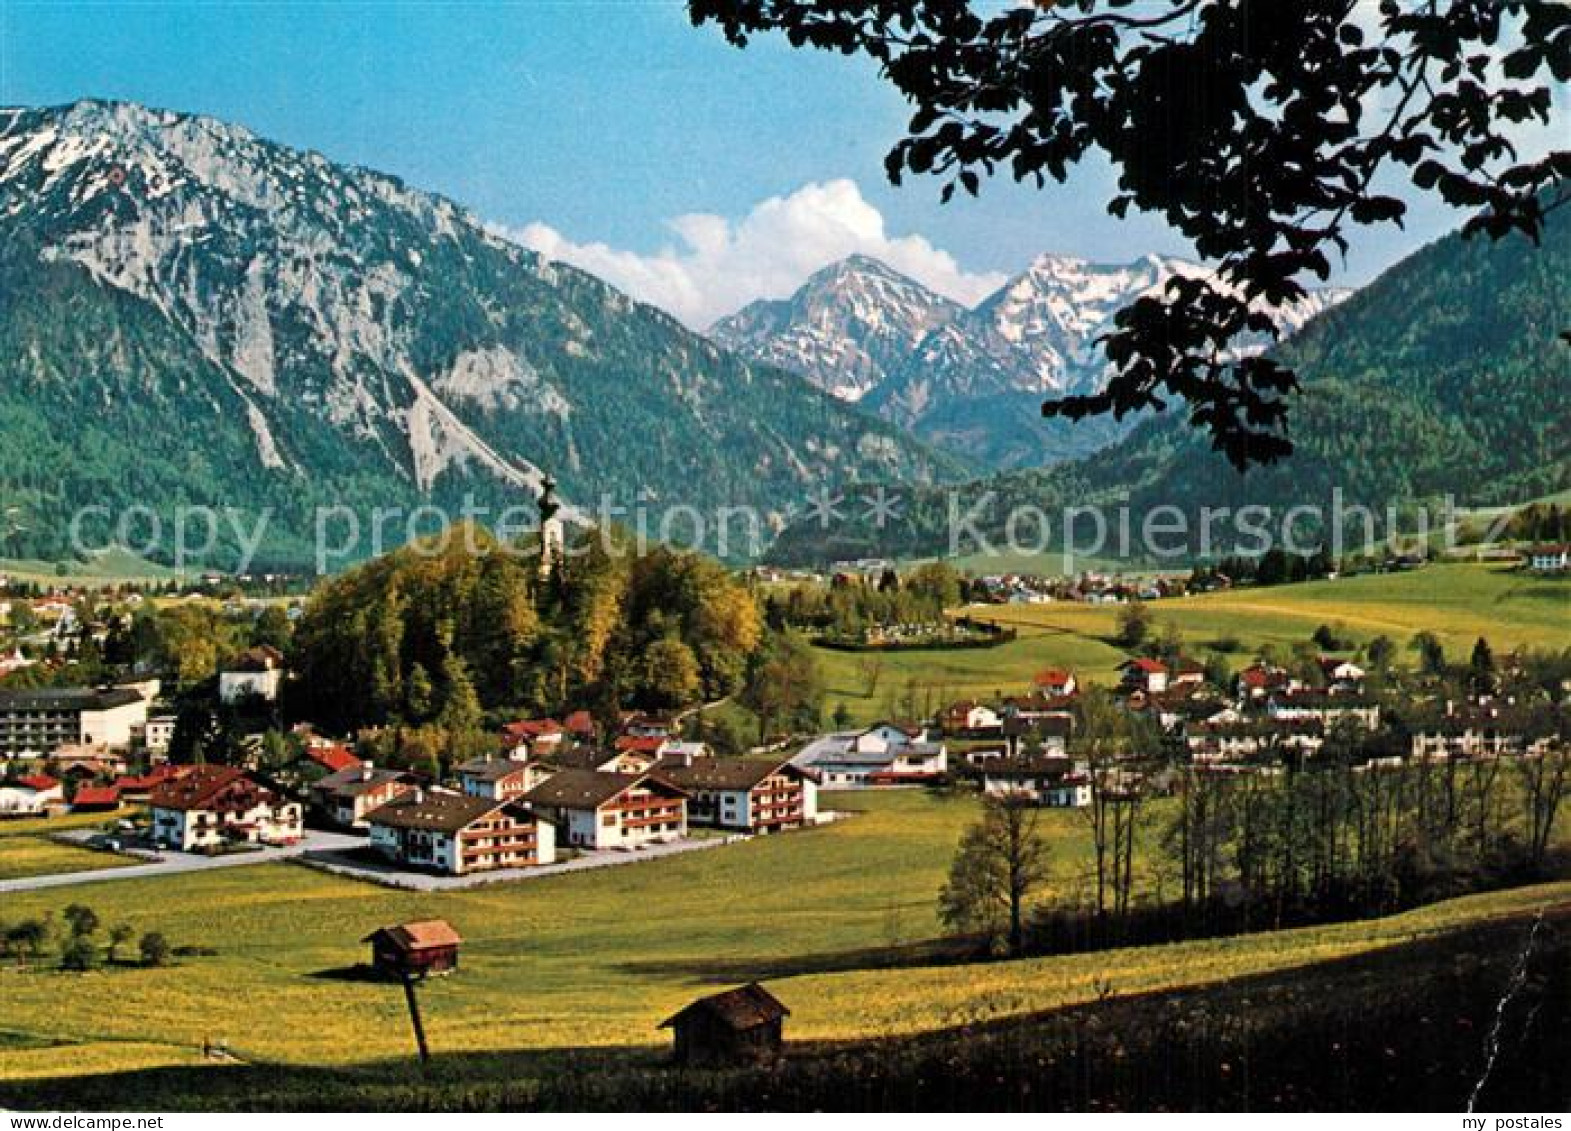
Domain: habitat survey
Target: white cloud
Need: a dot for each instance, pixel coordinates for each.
(718, 265)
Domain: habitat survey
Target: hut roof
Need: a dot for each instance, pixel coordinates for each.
(743, 1008)
(418, 935)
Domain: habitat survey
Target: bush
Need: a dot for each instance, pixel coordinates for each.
(154, 949)
(83, 920)
(79, 954)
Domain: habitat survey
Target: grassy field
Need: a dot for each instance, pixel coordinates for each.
(600, 958)
(39, 856)
(1459, 603)
(109, 568)
(26, 847)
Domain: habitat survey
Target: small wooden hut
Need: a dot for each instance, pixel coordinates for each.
(414, 950)
(737, 1026)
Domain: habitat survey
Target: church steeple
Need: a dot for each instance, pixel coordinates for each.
(550, 526)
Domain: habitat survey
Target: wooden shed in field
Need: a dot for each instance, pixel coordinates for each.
(414, 950)
(740, 1025)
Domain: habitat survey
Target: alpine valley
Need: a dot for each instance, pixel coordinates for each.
(192, 315)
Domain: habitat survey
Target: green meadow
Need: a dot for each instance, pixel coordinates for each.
(28, 848)
(1457, 602)
(600, 958)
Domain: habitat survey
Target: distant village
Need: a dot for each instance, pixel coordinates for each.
(552, 789)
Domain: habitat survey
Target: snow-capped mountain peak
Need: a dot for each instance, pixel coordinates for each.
(864, 332)
(845, 329)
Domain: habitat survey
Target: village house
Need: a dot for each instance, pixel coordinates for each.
(1186, 673)
(82, 763)
(257, 673)
(738, 1026)
(1175, 710)
(1048, 736)
(316, 761)
(1144, 674)
(532, 737)
(1259, 680)
(348, 795)
(580, 726)
(674, 754)
(1035, 708)
(1056, 682)
(140, 787)
(459, 834)
(1254, 740)
(760, 795)
(212, 805)
(971, 718)
(30, 796)
(1458, 738)
(1555, 558)
(1058, 783)
(980, 755)
(597, 810)
(639, 725)
(1324, 706)
(638, 752)
(500, 779)
(635, 759)
(157, 734)
(884, 754)
(1342, 675)
(96, 799)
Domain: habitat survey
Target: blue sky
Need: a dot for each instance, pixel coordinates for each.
(590, 129)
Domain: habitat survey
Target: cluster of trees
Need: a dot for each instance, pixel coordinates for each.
(1253, 852)
(76, 944)
(1274, 567)
(434, 641)
(1004, 858)
(1340, 841)
(851, 605)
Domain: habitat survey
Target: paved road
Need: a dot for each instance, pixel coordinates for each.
(354, 866)
(177, 863)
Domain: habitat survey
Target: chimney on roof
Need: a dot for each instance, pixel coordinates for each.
(418, 795)
(366, 768)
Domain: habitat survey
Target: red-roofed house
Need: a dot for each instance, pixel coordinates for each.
(96, 799)
(214, 804)
(332, 758)
(580, 724)
(26, 798)
(141, 788)
(42, 783)
(532, 737)
(1057, 682)
(1550, 559)
(639, 751)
